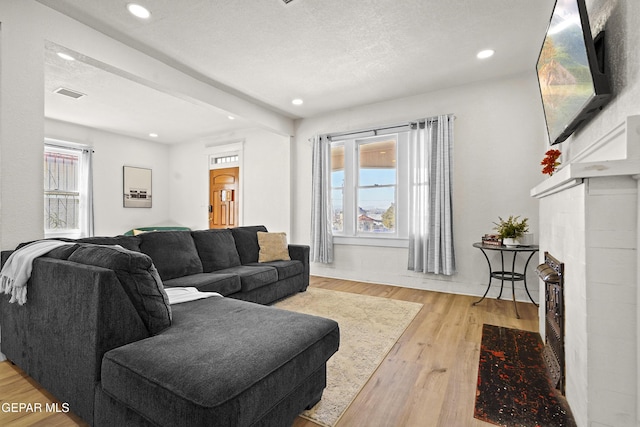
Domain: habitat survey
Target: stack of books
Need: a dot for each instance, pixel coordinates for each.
(492, 240)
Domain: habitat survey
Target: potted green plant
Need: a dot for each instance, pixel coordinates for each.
(511, 229)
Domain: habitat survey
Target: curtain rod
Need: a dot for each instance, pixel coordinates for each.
(71, 146)
(375, 130)
(387, 127)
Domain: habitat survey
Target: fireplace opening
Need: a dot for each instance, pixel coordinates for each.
(552, 274)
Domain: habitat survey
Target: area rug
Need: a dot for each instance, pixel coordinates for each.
(513, 384)
(369, 328)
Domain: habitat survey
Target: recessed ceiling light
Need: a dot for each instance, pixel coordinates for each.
(483, 54)
(139, 11)
(297, 101)
(231, 117)
(66, 56)
(153, 135)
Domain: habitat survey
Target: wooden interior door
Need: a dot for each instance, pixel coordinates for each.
(223, 197)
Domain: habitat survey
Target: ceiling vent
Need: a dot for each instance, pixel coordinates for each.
(70, 93)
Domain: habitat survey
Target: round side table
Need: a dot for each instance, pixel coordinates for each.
(503, 274)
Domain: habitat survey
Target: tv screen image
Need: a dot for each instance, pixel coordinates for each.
(572, 86)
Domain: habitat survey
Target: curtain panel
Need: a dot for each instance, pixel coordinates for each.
(86, 194)
(321, 235)
(431, 248)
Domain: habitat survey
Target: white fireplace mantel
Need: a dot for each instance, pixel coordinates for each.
(615, 154)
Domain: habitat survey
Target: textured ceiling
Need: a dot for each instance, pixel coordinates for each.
(334, 54)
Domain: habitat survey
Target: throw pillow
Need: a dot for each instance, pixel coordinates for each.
(273, 247)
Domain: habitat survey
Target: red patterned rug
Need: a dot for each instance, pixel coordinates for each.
(513, 384)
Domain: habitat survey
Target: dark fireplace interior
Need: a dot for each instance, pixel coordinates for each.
(552, 274)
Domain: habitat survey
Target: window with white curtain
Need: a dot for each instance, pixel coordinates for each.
(68, 210)
(369, 189)
(389, 186)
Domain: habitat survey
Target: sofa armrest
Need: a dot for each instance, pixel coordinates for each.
(4, 256)
(301, 253)
(73, 315)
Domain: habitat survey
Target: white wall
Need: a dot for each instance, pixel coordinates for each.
(499, 141)
(264, 179)
(21, 124)
(111, 153)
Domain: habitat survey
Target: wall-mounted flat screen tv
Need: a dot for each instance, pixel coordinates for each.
(571, 71)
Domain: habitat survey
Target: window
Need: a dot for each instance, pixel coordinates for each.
(377, 178)
(366, 191)
(226, 159)
(337, 188)
(65, 180)
(368, 187)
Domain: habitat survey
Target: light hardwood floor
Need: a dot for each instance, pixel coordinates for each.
(427, 379)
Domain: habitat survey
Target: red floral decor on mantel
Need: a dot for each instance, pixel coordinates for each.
(550, 162)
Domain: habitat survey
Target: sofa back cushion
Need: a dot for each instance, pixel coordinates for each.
(138, 277)
(246, 239)
(127, 242)
(62, 252)
(174, 253)
(216, 248)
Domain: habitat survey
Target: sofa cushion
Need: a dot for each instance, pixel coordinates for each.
(174, 253)
(62, 252)
(285, 269)
(127, 242)
(62, 239)
(224, 362)
(138, 277)
(224, 284)
(253, 277)
(246, 239)
(140, 230)
(273, 247)
(216, 248)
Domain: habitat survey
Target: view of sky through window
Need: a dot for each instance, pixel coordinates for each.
(373, 193)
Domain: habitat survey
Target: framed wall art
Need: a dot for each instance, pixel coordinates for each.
(136, 187)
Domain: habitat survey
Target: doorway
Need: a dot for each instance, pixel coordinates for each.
(223, 197)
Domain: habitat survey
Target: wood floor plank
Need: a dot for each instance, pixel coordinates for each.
(427, 379)
(16, 387)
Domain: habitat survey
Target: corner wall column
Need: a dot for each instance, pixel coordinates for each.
(21, 122)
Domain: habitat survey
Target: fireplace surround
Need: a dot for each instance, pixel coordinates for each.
(589, 220)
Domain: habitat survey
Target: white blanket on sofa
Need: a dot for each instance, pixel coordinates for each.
(17, 270)
(177, 295)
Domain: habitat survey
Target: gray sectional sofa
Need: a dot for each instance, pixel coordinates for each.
(223, 261)
(98, 333)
